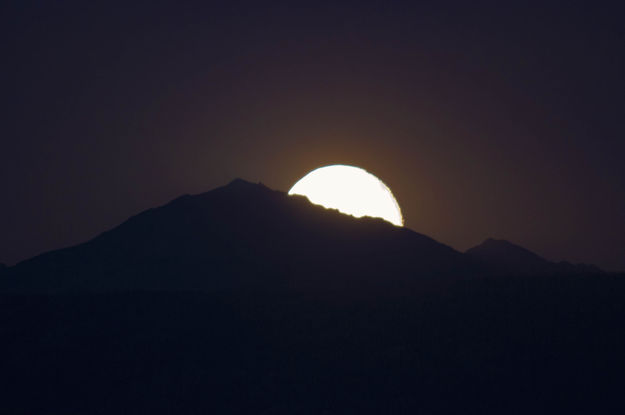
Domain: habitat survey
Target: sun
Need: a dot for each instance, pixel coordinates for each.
(350, 190)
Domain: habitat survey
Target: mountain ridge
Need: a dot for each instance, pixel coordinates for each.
(246, 234)
(236, 231)
(245, 300)
(504, 257)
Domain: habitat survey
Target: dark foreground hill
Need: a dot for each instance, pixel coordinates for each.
(245, 301)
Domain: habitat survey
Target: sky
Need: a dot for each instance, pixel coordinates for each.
(486, 119)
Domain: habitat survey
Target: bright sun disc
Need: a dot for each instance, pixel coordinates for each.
(350, 190)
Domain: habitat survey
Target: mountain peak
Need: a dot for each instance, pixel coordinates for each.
(502, 246)
(239, 182)
(242, 183)
(503, 256)
(239, 185)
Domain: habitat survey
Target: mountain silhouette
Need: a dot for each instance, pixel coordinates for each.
(504, 258)
(216, 240)
(244, 300)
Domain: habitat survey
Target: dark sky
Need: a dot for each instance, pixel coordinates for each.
(484, 118)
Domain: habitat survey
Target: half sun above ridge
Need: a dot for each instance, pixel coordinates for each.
(350, 190)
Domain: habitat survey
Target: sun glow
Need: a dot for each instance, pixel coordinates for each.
(351, 190)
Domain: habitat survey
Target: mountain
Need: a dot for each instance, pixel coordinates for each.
(245, 235)
(505, 258)
(244, 300)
